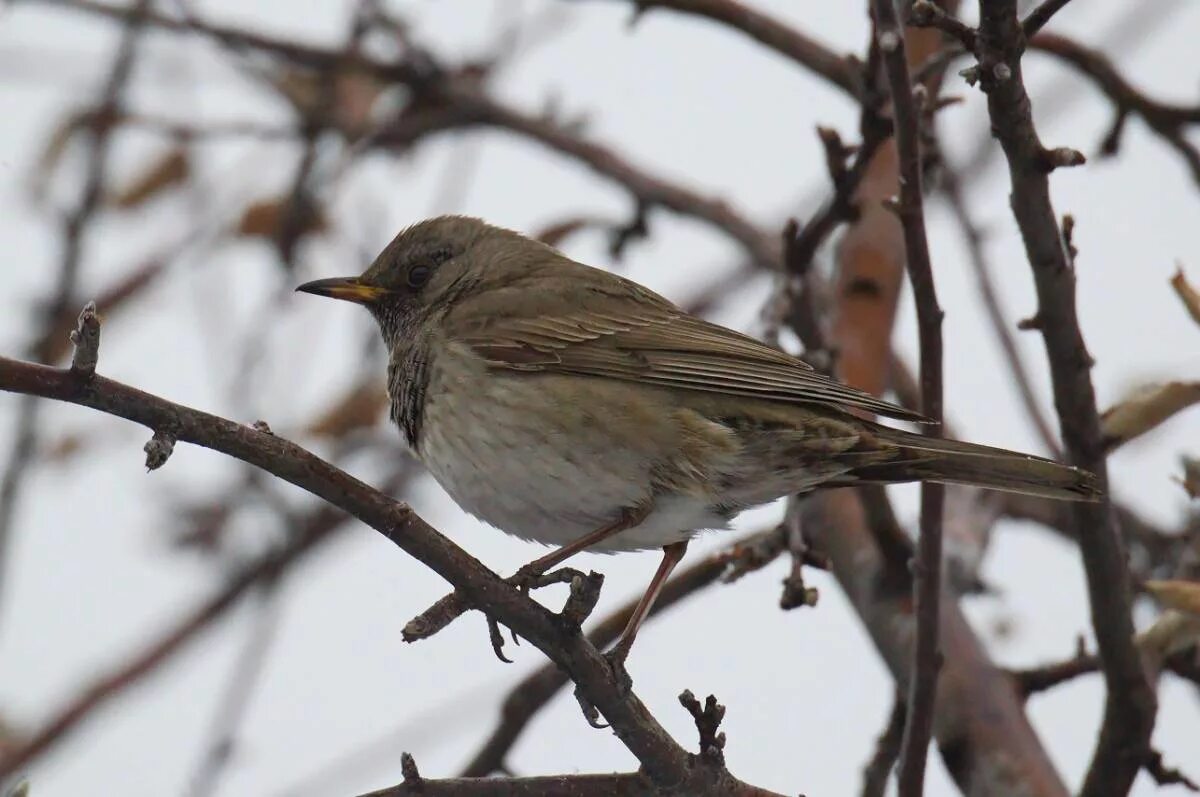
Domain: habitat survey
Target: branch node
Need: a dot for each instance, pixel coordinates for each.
(1033, 322)
(1002, 72)
(1068, 235)
(85, 337)
(1060, 157)
(448, 609)
(925, 14)
(408, 768)
(262, 426)
(585, 592)
(158, 449)
(971, 74)
(1164, 775)
(708, 721)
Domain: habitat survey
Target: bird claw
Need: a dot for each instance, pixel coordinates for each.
(526, 579)
(590, 712)
(616, 660)
(498, 639)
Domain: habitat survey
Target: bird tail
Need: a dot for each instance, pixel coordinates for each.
(921, 458)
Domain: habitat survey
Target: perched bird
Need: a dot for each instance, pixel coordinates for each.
(568, 405)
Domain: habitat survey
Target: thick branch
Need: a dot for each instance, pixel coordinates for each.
(1130, 706)
(632, 784)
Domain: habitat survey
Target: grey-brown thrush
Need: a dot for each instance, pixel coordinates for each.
(568, 405)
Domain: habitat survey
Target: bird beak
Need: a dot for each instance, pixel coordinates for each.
(349, 289)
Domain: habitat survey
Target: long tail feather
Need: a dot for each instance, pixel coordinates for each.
(921, 458)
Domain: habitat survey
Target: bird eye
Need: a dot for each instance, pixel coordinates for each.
(419, 275)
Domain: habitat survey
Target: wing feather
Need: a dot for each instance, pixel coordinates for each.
(618, 330)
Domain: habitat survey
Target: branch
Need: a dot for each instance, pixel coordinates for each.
(1041, 15)
(631, 784)
(839, 70)
(1169, 121)
(887, 750)
(318, 527)
(535, 691)
(1130, 706)
(663, 761)
(447, 101)
(927, 571)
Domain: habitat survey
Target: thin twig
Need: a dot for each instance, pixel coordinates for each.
(839, 70)
(245, 678)
(1171, 122)
(887, 750)
(927, 572)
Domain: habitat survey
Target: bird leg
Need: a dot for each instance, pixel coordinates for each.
(538, 567)
(671, 555)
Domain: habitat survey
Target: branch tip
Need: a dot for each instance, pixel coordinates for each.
(708, 721)
(585, 592)
(85, 337)
(158, 449)
(408, 769)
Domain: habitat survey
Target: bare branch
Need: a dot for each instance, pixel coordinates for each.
(1170, 122)
(839, 70)
(662, 759)
(1041, 15)
(1130, 705)
(927, 570)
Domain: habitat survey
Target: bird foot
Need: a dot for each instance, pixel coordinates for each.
(616, 661)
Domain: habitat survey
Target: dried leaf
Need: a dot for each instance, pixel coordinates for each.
(263, 219)
(1187, 294)
(170, 170)
(1145, 409)
(65, 447)
(1177, 594)
(354, 94)
(1172, 632)
(360, 408)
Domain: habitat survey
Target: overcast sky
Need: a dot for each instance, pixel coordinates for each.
(92, 577)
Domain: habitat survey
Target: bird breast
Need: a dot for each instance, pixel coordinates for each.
(551, 457)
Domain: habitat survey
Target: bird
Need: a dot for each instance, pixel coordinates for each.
(568, 405)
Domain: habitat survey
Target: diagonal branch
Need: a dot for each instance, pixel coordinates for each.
(663, 761)
(839, 70)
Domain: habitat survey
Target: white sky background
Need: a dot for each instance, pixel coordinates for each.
(91, 576)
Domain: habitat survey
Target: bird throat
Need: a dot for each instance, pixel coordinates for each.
(408, 372)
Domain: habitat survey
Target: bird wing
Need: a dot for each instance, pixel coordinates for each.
(615, 328)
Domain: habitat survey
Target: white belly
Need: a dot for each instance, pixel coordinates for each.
(523, 455)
